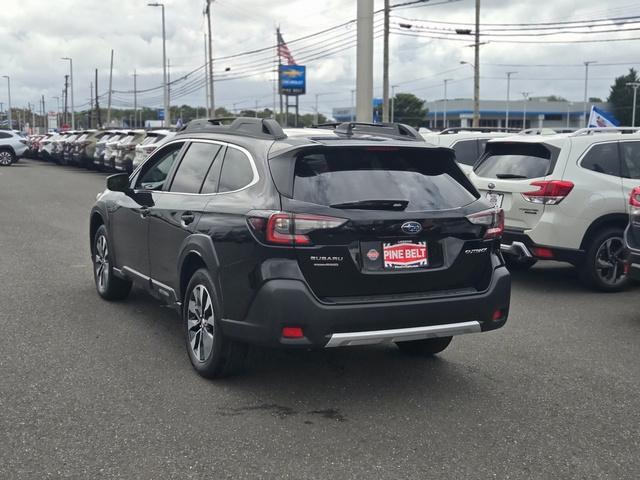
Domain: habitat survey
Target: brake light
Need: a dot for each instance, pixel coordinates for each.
(292, 228)
(493, 219)
(634, 198)
(550, 192)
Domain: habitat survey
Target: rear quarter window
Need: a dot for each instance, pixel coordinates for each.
(603, 158)
(466, 151)
(427, 179)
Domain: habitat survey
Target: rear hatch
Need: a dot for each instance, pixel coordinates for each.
(382, 222)
(506, 171)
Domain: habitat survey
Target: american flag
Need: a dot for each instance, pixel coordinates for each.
(283, 50)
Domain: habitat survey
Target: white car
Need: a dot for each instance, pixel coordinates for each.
(12, 146)
(468, 143)
(149, 144)
(565, 198)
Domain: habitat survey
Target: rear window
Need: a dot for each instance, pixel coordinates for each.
(515, 161)
(426, 179)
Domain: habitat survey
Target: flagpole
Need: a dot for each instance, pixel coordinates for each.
(279, 63)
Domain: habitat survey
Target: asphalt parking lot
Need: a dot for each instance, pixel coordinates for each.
(91, 389)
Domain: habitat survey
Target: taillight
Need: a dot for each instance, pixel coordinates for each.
(634, 201)
(493, 219)
(292, 228)
(550, 192)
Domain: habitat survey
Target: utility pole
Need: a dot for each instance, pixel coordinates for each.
(169, 90)
(256, 115)
(44, 116)
(110, 84)
(9, 102)
(364, 62)
(33, 116)
(635, 86)
(73, 112)
(278, 70)
(508, 91)
(476, 70)
(90, 112)
(393, 102)
(98, 121)
(444, 109)
(525, 96)
(206, 78)
(353, 104)
(135, 99)
(212, 104)
(586, 84)
(57, 99)
(385, 65)
(66, 100)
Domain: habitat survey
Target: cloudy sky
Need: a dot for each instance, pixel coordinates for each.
(35, 34)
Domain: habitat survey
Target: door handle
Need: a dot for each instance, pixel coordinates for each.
(187, 218)
(144, 211)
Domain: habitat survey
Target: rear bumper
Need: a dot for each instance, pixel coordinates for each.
(632, 258)
(518, 245)
(283, 303)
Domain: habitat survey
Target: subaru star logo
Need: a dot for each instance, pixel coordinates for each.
(411, 227)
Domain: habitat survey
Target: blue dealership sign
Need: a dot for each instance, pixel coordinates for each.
(293, 79)
(161, 114)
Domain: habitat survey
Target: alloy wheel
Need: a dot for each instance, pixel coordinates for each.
(200, 323)
(5, 158)
(102, 262)
(610, 261)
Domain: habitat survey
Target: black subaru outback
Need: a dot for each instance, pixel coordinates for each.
(362, 234)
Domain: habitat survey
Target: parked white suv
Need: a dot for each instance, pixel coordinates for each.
(565, 198)
(468, 143)
(13, 145)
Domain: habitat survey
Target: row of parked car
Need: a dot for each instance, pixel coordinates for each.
(105, 150)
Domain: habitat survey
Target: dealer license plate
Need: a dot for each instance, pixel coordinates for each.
(405, 255)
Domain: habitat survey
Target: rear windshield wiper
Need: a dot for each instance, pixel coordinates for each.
(511, 175)
(373, 205)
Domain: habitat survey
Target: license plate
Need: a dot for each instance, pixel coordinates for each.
(405, 255)
(495, 199)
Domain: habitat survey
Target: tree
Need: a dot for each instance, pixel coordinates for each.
(409, 109)
(595, 100)
(621, 97)
(556, 98)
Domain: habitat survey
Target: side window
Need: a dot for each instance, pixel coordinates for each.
(631, 158)
(155, 170)
(4, 135)
(194, 166)
(466, 152)
(236, 171)
(603, 158)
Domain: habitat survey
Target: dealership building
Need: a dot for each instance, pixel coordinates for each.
(537, 112)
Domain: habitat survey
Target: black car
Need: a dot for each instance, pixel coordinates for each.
(632, 236)
(361, 235)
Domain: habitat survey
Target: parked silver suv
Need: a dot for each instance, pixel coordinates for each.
(12, 146)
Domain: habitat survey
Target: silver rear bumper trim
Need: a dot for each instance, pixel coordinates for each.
(401, 334)
(517, 249)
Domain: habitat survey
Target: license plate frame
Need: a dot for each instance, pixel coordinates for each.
(405, 255)
(495, 199)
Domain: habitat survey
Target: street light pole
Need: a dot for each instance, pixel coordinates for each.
(444, 110)
(9, 101)
(73, 113)
(508, 91)
(586, 83)
(167, 120)
(635, 86)
(525, 96)
(212, 106)
(393, 102)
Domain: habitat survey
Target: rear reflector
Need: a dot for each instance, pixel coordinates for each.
(542, 252)
(550, 192)
(498, 315)
(292, 332)
(493, 219)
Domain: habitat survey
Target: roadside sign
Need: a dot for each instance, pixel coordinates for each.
(293, 79)
(160, 114)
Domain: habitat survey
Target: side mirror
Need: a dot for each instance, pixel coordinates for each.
(118, 182)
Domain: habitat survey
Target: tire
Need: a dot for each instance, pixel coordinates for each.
(7, 157)
(211, 353)
(518, 265)
(603, 267)
(426, 347)
(108, 285)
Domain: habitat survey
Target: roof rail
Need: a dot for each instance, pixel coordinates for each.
(327, 125)
(448, 131)
(592, 130)
(392, 130)
(266, 128)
